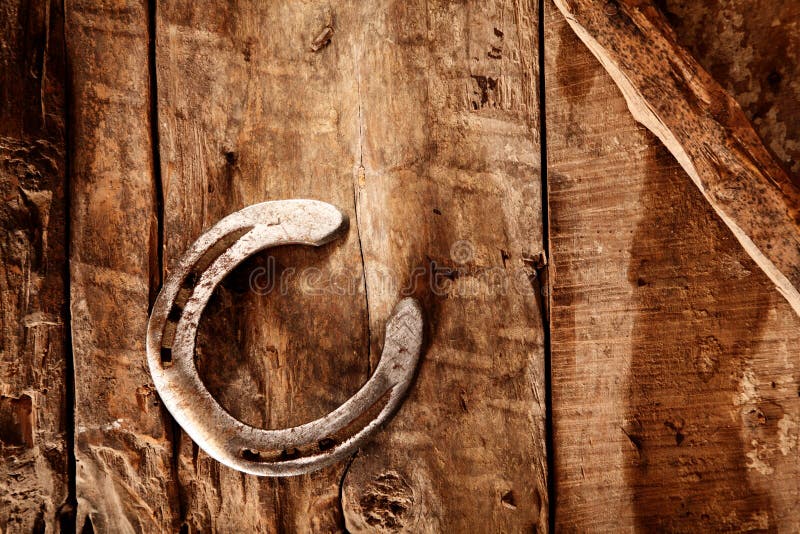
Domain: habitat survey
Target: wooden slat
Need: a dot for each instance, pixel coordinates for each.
(449, 209)
(227, 88)
(675, 392)
(33, 355)
(122, 434)
(248, 112)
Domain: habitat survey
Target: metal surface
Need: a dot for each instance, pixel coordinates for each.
(172, 330)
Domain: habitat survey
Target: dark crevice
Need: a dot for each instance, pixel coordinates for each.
(157, 277)
(67, 513)
(341, 491)
(356, 184)
(547, 282)
(364, 274)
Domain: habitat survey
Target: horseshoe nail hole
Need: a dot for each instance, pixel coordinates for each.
(189, 281)
(270, 456)
(326, 443)
(168, 335)
(175, 314)
(166, 356)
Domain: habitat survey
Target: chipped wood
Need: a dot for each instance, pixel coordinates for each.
(33, 320)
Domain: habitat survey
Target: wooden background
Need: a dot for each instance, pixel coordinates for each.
(609, 359)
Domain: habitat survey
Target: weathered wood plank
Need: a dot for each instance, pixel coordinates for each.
(122, 435)
(750, 48)
(249, 111)
(449, 209)
(675, 395)
(33, 349)
(702, 126)
(225, 94)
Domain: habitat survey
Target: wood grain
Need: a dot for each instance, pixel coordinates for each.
(247, 116)
(33, 348)
(449, 209)
(702, 126)
(248, 112)
(124, 470)
(750, 49)
(674, 388)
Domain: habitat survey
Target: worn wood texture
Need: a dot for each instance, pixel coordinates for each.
(125, 478)
(417, 127)
(449, 208)
(675, 391)
(33, 350)
(750, 48)
(249, 112)
(702, 126)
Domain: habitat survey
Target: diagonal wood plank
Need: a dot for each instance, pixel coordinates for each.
(702, 126)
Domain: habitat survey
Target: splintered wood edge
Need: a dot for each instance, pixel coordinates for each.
(669, 93)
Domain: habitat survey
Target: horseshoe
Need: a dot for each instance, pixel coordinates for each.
(172, 331)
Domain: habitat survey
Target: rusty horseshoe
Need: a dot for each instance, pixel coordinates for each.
(172, 329)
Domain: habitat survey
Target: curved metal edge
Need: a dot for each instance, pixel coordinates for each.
(218, 433)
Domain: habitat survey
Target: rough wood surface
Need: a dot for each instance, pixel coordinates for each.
(750, 48)
(249, 112)
(449, 205)
(33, 413)
(675, 391)
(123, 448)
(702, 126)
(418, 128)
(675, 386)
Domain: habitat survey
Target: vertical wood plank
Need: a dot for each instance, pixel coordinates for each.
(33, 351)
(674, 393)
(249, 111)
(122, 434)
(449, 209)
(361, 111)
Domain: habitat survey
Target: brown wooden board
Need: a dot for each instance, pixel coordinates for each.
(124, 477)
(675, 392)
(33, 348)
(420, 121)
(449, 205)
(249, 112)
